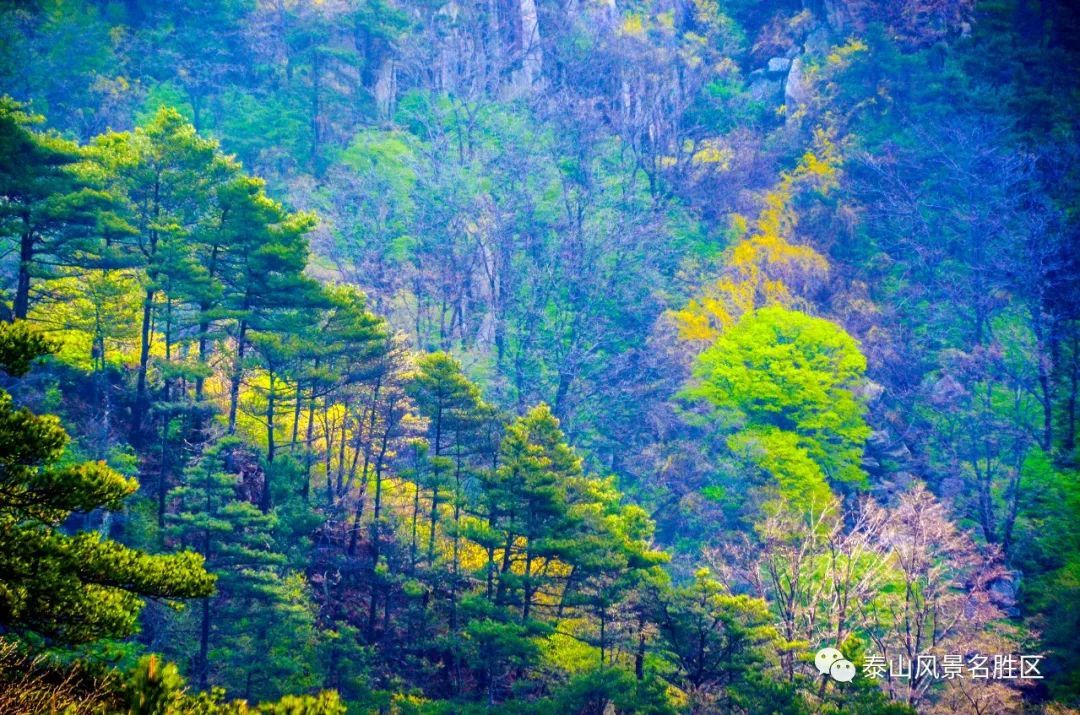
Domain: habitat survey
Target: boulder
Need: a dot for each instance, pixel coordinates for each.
(796, 89)
(778, 65)
(1003, 592)
(765, 90)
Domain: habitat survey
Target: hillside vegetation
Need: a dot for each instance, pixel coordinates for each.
(539, 356)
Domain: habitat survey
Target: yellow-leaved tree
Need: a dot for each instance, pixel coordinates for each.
(768, 266)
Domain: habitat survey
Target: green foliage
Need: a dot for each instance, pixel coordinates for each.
(1048, 544)
(259, 628)
(602, 689)
(715, 640)
(55, 209)
(787, 382)
(20, 346)
(156, 688)
(69, 588)
(528, 192)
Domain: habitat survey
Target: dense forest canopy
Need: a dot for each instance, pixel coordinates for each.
(539, 356)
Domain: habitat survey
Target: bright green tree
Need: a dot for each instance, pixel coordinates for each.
(788, 383)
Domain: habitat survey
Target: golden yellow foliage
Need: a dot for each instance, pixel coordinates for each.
(634, 26)
(767, 267)
(93, 317)
(840, 56)
(713, 153)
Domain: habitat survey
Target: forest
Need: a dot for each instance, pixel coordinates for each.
(569, 357)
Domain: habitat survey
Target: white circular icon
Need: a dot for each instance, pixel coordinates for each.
(831, 662)
(843, 670)
(825, 658)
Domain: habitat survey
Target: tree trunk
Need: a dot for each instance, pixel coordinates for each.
(148, 314)
(204, 646)
(144, 360)
(237, 376)
(434, 519)
(531, 54)
(26, 259)
(309, 434)
(271, 447)
(204, 328)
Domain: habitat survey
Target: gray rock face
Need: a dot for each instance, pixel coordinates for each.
(1003, 593)
(796, 90)
(817, 42)
(778, 65)
(836, 15)
(765, 90)
(886, 485)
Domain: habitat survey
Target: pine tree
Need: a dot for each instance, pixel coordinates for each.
(533, 514)
(269, 254)
(715, 639)
(167, 174)
(450, 402)
(54, 209)
(78, 587)
(236, 539)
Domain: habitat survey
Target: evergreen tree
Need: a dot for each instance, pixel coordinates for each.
(533, 515)
(256, 610)
(715, 639)
(166, 173)
(70, 588)
(54, 210)
(270, 252)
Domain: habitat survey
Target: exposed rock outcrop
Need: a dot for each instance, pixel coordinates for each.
(778, 65)
(796, 88)
(1004, 593)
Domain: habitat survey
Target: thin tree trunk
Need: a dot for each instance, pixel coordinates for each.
(204, 323)
(204, 646)
(297, 410)
(144, 360)
(309, 450)
(237, 376)
(271, 447)
(147, 316)
(26, 259)
(434, 518)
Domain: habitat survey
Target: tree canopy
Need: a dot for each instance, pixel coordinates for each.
(373, 356)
